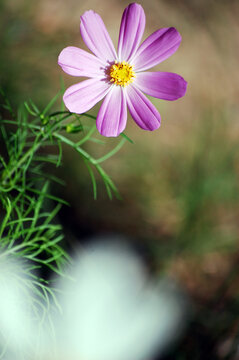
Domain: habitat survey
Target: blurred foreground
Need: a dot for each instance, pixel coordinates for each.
(107, 308)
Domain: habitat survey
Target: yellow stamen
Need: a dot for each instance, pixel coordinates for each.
(121, 73)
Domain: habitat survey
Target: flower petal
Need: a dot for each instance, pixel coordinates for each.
(156, 48)
(81, 97)
(96, 37)
(131, 31)
(142, 110)
(162, 85)
(78, 62)
(112, 117)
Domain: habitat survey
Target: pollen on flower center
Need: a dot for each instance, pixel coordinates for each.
(121, 73)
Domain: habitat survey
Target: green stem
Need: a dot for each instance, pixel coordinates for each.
(8, 174)
(88, 135)
(76, 147)
(112, 152)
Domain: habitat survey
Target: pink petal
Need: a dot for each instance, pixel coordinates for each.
(131, 31)
(156, 48)
(81, 97)
(142, 110)
(112, 117)
(96, 37)
(162, 85)
(78, 62)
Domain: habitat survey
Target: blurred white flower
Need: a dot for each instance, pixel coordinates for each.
(111, 309)
(16, 326)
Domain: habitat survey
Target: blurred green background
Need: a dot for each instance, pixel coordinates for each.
(179, 184)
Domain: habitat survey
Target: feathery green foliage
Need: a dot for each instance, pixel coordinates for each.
(31, 139)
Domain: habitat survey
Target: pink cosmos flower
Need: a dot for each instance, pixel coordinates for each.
(121, 77)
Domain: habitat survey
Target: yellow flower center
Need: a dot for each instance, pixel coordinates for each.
(121, 73)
